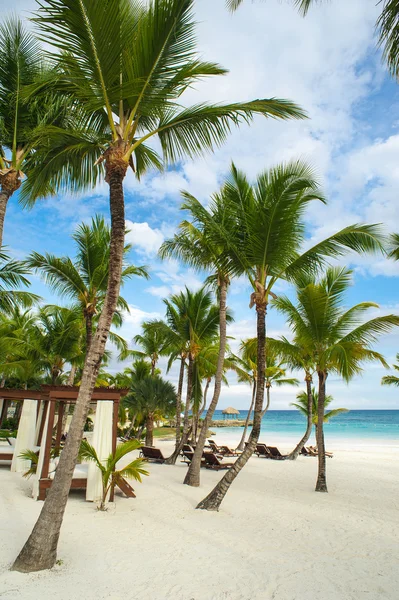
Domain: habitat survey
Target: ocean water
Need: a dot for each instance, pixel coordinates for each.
(354, 428)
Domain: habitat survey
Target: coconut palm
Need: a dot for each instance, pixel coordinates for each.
(392, 379)
(84, 280)
(110, 476)
(155, 398)
(197, 243)
(12, 276)
(246, 373)
(302, 405)
(338, 340)
(123, 65)
(264, 245)
(152, 340)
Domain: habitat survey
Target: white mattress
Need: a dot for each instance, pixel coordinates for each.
(79, 472)
(10, 449)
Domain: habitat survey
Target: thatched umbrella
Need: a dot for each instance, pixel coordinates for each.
(230, 412)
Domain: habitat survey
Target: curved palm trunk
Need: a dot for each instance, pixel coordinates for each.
(215, 498)
(321, 484)
(268, 386)
(193, 474)
(241, 445)
(40, 550)
(89, 331)
(178, 400)
(171, 460)
(9, 183)
(208, 383)
(149, 430)
(295, 453)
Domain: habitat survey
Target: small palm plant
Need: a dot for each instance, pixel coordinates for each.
(392, 379)
(34, 459)
(109, 475)
(302, 405)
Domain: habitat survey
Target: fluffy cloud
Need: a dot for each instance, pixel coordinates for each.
(143, 238)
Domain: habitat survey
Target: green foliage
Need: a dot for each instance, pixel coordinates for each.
(302, 405)
(110, 475)
(392, 379)
(10, 425)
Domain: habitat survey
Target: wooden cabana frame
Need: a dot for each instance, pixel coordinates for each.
(62, 395)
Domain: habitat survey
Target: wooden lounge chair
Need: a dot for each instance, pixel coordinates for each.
(214, 463)
(262, 450)
(224, 450)
(312, 451)
(275, 453)
(152, 454)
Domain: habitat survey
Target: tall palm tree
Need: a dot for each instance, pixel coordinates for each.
(338, 340)
(197, 243)
(154, 397)
(124, 65)
(198, 320)
(302, 405)
(12, 276)
(84, 281)
(21, 61)
(392, 379)
(246, 373)
(265, 246)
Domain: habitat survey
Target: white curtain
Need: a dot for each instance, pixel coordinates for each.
(102, 442)
(25, 436)
(35, 490)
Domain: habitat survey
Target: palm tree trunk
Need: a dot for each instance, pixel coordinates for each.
(321, 484)
(149, 430)
(9, 184)
(40, 550)
(193, 474)
(295, 453)
(71, 376)
(208, 383)
(214, 499)
(267, 400)
(171, 460)
(178, 400)
(241, 445)
(89, 331)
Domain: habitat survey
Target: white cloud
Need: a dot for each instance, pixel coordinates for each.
(143, 237)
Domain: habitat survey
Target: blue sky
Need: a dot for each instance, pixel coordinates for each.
(327, 63)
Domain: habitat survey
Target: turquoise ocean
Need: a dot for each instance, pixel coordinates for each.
(354, 428)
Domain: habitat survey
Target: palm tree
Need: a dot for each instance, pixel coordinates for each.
(198, 320)
(197, 243)
(392, 379)
(12, 276)
(84, 281)
(109, 475)
(264, 245)
(302, 405)
(154, 397)
(152, 340)
(386, 25)
(21, 61)
(123, 65)
(246, 369)
(338, 340)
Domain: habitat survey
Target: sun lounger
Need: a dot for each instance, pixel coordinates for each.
(224, 450)
(275, 453)
(312, 451)
(214, 463)
(152, 454)
(262, 450)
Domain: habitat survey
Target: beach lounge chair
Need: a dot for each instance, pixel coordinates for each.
(152, 454)
(224, 450)
(262, 450)
(275, 453)
(312, 451)
(214, 463)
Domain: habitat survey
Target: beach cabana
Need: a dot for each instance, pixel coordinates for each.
(230, 413)
(29, 404)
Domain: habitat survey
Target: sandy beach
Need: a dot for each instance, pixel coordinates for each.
(274, 538)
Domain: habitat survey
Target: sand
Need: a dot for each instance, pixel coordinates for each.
(273, 539)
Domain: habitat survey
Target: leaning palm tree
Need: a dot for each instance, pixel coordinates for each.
(110, 476)
(124, 66)
(392, 379)
(264, 245)
(339, 340)
(301, 404)
(197, 244)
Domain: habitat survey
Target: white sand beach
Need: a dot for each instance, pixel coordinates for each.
(274, 538)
